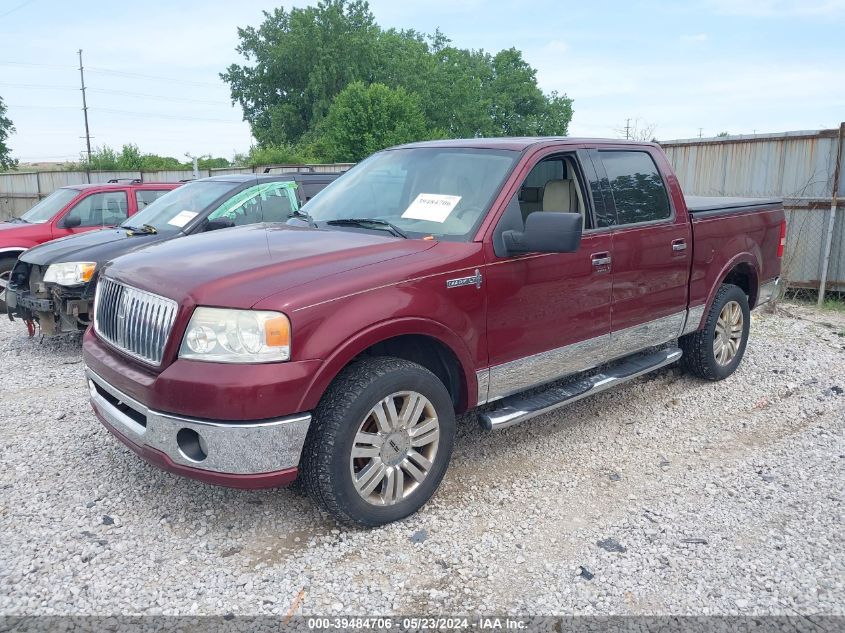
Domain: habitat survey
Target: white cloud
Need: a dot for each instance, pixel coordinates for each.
(698, 37)
(556, 47)
(681, 97)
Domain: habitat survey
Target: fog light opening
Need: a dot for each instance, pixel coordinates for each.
(191, 445)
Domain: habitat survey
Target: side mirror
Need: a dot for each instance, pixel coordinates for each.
(220, 223)
(546, 232)
(71, 221)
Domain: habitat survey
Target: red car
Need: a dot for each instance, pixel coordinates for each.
(71, 210)
(522, 274)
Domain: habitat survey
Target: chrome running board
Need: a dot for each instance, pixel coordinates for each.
(518, 408)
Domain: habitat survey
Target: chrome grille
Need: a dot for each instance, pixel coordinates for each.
(134, 321)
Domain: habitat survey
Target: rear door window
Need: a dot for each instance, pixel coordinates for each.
(267, 202)
(637, 187)
(106, 208)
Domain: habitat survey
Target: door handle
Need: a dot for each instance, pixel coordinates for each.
(679, 245)
(600, 259)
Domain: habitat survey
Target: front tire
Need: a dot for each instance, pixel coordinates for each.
(380, 442)
(715, 351)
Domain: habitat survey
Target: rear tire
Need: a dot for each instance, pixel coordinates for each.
(715, 351)
(380, 442)
(6, 266)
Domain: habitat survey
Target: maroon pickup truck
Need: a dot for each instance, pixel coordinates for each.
(518, 273)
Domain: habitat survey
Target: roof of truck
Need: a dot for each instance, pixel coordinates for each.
(122, 185)
(519, 143)
(272, 177)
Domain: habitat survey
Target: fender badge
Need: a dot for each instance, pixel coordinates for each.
(475, 280)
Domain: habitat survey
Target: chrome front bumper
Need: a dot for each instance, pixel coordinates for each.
(236, 448)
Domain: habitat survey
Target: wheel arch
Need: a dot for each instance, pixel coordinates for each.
(423, 341)
(13, 251)
(743, 271)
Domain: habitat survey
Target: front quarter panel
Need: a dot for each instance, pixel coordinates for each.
(336, 321)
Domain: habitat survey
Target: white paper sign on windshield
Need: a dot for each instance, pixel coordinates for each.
(433, 207)
(182, 218)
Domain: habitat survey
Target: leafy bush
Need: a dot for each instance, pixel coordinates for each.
(364, 119)
(130, 158)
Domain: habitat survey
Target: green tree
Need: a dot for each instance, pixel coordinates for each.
(210, 162)
(6, 130)
(299, 61)
(130, 158)
(364, 119)
(102, 158)
(277, 155)
(303, 58)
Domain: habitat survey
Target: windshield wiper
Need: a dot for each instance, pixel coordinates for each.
(16, 220)
(369, 223)
(148, 229)
(304, 215)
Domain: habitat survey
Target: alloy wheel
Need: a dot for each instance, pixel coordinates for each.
(395, 448)
(728, 335)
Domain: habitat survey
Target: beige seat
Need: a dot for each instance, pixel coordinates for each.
(561, 195)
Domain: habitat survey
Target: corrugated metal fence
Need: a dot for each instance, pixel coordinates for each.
(799, 167)
(803, 168)
(20, 191)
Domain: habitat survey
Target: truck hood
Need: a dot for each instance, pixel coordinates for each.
(238, 267)
(92, 246)
(18, 233)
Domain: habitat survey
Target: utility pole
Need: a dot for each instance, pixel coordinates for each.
(84, 106)
(699, 132)
(828, 241)
(627, 129)
(194, 164)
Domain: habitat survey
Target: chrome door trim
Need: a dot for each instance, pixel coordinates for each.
(693, 320)
(531, 371)
(482, 376)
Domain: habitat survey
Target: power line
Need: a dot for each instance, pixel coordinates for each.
(123, 73)
(13, 9)
(151, 115)
(40, 86)
(148, 115)
(8, 63)
(111, 71)
(157, 97)
(43, 107)
(122, 93)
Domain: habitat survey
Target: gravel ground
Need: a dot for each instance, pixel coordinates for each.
(668, 496)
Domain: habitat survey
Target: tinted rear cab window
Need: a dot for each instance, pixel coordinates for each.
(637, 187)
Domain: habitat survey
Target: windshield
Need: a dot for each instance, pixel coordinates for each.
(49, 206)
(178, 207)
(424, 191)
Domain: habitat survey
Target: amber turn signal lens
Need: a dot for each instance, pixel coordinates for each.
(277, 332)
(88, 272)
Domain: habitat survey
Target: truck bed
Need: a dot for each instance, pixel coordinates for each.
(706, 206)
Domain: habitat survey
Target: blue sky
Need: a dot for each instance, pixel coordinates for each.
(719, 65)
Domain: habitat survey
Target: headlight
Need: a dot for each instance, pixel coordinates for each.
(70, 273)
(236, 336)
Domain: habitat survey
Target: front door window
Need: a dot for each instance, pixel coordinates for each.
(107, 208)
